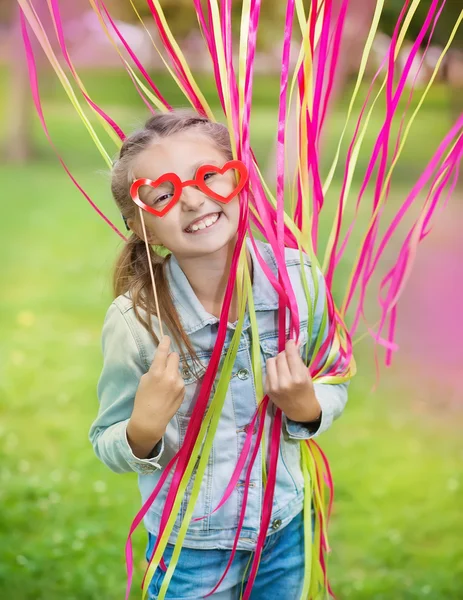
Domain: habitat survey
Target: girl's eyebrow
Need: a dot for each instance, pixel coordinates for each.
(200, 163)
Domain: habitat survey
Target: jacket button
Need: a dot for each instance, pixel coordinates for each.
(246, 428)
(243, 374)
(185, 372)
(276, 523)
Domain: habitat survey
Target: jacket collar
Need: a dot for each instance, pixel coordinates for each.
(192, 313)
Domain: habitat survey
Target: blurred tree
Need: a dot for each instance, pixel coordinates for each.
(181, 16)
(445, 24)
(453, 65)
(18, 147)
(7, 8)
(18, 144)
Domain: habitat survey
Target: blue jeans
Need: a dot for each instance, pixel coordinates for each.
(280, 573)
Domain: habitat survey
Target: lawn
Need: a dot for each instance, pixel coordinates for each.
(396, 529)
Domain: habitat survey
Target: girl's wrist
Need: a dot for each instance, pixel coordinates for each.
(142, 440)
(308, 412)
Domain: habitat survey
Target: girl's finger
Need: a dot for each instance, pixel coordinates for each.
(160, 356)
(272, 375)
(284, 374)
(172, 362)
(295, 363)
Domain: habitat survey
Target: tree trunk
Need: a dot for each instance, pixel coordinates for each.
(18, 139)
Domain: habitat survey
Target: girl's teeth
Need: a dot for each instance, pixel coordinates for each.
(206, 223)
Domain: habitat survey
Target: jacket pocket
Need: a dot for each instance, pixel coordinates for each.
(269, 343)
(193, 377)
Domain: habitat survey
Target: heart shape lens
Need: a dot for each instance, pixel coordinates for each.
(198, 181)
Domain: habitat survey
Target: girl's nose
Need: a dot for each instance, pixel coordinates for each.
(192, 197)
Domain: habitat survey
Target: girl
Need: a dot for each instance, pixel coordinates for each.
(149, 383)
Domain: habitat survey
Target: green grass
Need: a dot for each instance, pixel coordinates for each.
(396, 529)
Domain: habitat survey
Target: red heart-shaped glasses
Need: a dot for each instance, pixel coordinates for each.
(198, 181)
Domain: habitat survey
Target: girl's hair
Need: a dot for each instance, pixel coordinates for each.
(131, 273)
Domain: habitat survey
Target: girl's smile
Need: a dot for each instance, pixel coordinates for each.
(203, 224)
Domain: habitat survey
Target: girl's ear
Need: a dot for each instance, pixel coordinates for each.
(131, 223)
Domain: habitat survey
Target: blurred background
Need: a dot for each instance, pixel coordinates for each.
(396, 454)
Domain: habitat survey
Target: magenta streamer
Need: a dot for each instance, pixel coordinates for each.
(38, 105)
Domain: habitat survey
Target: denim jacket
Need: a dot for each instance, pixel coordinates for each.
(128, 351)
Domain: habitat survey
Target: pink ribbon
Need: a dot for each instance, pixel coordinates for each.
(38, 105)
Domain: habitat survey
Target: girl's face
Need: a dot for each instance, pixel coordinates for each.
(182, 153)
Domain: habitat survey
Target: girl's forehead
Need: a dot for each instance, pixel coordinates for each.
(179, 153)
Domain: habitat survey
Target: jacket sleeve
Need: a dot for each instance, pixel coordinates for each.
(116, 390)
(332, 397)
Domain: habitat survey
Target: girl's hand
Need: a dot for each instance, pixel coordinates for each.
(289, 385)
(160, 393)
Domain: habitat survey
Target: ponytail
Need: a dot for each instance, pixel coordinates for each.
(131, 273)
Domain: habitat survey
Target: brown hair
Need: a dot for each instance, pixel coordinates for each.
(131, 273)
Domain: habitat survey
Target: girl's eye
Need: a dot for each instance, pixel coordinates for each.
(163, 198)
(209, 175)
